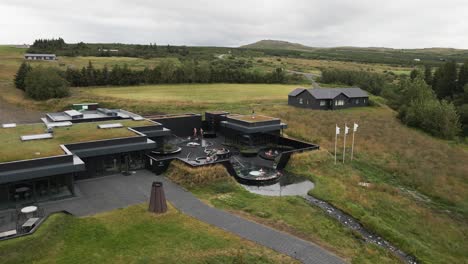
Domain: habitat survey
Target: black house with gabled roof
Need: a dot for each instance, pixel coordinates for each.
(328, 98)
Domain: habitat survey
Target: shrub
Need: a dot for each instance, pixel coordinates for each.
(45, 83)
(251, 152)
(189, 177)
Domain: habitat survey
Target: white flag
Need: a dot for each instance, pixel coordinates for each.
(346, 130)
(355, 127)
(337, 130)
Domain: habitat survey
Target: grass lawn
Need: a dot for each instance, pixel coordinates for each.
(82, 132)
(132, 235)
(227, 93)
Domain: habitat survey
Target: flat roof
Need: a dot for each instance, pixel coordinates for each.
(100, 113)
(13, 149)
(38, 54)
(171, 116)
(252, 118)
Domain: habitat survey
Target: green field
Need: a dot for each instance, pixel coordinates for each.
(132, 235)
(210, 93)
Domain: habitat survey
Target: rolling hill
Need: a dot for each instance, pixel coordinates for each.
(434, 55)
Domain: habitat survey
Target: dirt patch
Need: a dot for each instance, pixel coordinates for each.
(10, 113)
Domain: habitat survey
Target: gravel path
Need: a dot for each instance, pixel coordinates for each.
(10, 113)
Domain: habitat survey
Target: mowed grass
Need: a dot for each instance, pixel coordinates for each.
(290, 214)
(228, 93)
(132, 235)
(14, 149)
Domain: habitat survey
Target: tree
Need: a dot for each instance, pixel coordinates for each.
(428, 74)
(188, 68)
(420, 108)
(414, 74)
(90, 74)
(445, 85)
(167, 68)
(463, 76)
(20, 76)
(45, 83)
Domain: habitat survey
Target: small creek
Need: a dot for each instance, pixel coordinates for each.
(294, 185)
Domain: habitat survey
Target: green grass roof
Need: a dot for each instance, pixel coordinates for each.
(13, 149)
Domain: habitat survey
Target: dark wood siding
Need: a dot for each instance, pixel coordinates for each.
(308, 101)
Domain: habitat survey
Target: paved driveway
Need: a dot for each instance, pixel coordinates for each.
(108, 193)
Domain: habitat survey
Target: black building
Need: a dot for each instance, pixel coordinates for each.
(328, 98)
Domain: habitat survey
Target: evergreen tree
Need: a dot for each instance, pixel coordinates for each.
(20, 76)
(90, 74)
(463, 76)
(445, 85)
(428, 74)
(414, 74)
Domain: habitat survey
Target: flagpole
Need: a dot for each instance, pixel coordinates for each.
(352, 145)
(336, 137)
(344, 143)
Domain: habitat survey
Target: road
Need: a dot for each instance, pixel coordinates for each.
(309, 76)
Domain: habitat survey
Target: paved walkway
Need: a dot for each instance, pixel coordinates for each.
(108, 193)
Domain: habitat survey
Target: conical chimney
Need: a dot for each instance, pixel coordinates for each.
(157, 202)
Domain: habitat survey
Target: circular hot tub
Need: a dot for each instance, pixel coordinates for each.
(273, 152)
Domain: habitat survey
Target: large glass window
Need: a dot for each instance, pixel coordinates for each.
(301, 101)
(323, 102)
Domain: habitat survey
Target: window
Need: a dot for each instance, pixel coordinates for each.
(323, 102)
(339, 102)
(301, 101)
(357, 101)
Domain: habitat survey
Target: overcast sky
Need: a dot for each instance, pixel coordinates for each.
(325, 23)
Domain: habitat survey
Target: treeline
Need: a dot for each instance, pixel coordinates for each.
(369, 81)
(166, 72)
(173, 71)
(48, 44)
(151, 50)
(450, 83)
(41, 83)
(436, 102)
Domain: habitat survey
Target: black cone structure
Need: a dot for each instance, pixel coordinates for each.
(157, 202)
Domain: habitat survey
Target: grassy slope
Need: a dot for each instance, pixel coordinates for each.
(133, 235)
(290, 214)
(418, 199)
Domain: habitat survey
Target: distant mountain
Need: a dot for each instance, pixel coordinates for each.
(277, 44)
(285, 45)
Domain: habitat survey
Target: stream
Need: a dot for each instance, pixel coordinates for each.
(294, 185)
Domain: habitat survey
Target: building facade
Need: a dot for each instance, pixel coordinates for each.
(47, 57)
(328, 98)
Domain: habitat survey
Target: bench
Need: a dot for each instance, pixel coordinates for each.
(6, 234)
(30, 224)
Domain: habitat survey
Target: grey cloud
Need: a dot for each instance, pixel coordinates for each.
(397, 23)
